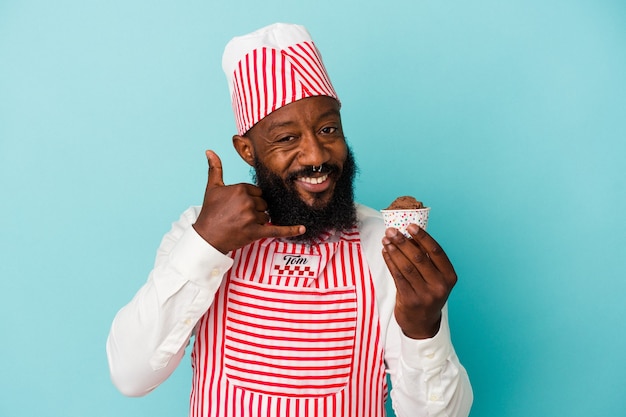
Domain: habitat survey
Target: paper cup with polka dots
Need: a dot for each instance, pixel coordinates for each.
(400, 219)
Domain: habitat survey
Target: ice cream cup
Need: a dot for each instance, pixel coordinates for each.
(400, 219)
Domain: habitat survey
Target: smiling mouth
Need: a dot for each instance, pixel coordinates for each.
(313, 180)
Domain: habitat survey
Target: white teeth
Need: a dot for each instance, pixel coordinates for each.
(311, 180)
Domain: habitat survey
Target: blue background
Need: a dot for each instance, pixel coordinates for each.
(507, 117)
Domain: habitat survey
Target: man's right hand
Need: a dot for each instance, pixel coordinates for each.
(233, 216)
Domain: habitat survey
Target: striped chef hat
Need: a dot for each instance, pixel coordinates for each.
(270, 68)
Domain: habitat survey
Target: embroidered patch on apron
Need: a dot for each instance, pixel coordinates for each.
(295, 265)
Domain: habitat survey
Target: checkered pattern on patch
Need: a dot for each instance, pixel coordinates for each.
(294, 270)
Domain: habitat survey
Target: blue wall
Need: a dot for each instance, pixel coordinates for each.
(507, 117)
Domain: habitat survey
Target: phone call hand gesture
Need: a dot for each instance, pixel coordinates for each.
(233, 216)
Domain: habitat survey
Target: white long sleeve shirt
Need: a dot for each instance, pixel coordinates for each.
(149, 335)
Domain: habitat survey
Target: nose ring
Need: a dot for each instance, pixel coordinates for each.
(317, 169)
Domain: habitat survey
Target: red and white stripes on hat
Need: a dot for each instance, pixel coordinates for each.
(270, 68)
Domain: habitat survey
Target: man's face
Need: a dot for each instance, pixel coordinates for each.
(286, 148)
(299, 136)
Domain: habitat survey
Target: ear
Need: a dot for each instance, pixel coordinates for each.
(243, 146)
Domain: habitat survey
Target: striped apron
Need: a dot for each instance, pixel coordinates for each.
(293, 331)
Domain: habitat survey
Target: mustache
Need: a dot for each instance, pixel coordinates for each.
(309, 171)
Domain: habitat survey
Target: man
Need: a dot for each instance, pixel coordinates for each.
(295, 306)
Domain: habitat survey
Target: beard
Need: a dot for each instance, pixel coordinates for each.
(286, 207)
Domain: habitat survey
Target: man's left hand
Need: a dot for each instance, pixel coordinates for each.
(424, 278)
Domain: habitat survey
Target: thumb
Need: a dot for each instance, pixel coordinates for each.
(216, 176)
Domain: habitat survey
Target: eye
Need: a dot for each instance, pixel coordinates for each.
(285, 139)
(329, 130)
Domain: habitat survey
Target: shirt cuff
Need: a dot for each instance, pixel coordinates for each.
(426, 354)
(196, 260)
